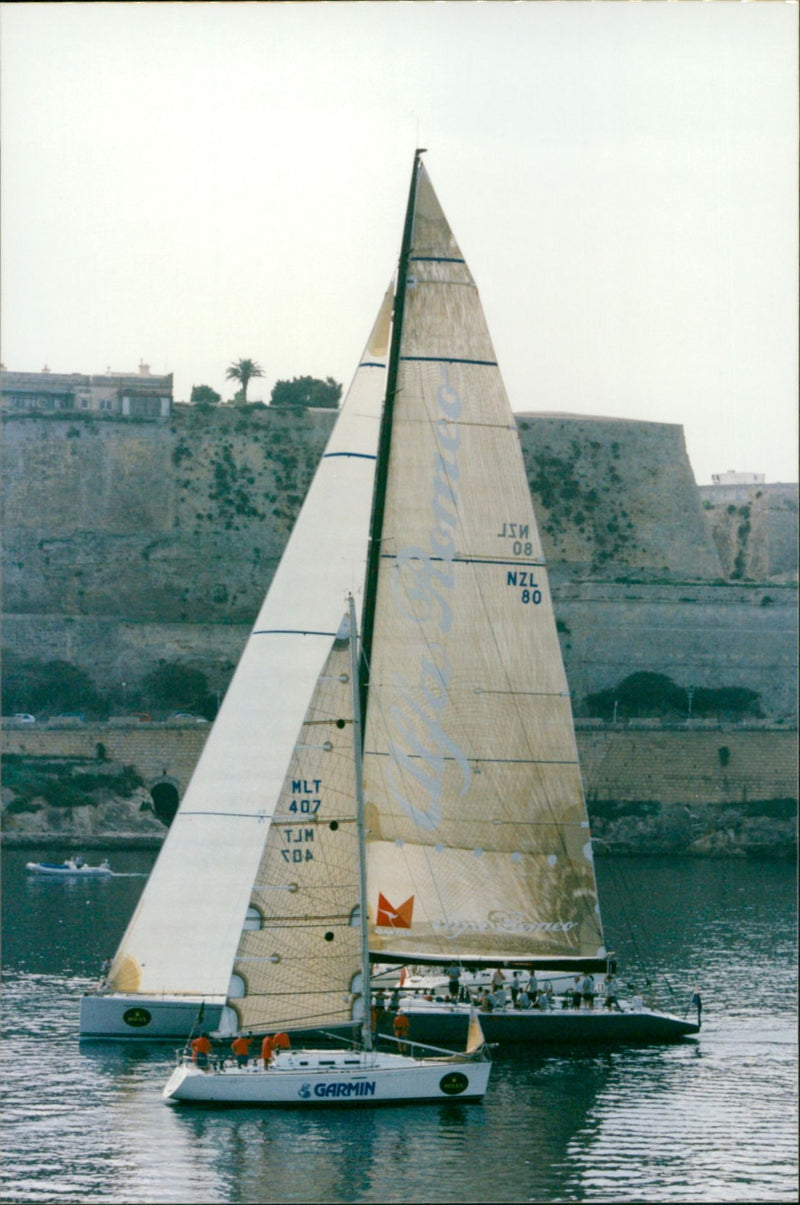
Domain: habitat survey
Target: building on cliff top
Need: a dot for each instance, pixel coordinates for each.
(133, 395)
(734, 478)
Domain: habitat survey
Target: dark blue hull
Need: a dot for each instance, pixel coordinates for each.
(447, 1026)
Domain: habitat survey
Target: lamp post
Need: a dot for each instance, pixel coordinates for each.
(124, 698)
(689, 697)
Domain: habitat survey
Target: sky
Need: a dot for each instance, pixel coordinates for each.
(188, 184)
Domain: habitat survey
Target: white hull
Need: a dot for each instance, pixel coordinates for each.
(67, 872)
(338, 1077)
(154, 1018)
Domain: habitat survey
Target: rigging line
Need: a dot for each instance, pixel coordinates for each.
(645, 963)
(349, 455)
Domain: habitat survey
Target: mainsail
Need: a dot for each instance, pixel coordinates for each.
(184, 934)
(478, 838)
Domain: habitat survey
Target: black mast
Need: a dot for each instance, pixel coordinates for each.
(384, 441)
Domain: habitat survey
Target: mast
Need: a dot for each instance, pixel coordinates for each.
(366, 995)
(385, 435)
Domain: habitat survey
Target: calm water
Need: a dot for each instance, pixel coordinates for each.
(707, 1120)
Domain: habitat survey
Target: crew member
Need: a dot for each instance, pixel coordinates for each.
(241, 1048)
(201, 1049)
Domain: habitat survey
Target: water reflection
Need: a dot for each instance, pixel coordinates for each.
(712, 1120)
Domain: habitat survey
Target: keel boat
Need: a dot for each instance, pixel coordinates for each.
(477, 840)
(354, 1076)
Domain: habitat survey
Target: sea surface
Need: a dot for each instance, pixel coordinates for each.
(710, 1119)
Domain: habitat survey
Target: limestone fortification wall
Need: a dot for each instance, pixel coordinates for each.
(131, 543)
(614, 496)
(703, 790)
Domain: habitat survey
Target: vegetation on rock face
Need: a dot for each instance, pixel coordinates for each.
(742, 534)
(647, 694)
(67, 782)
(568, 494)
(231, 489)
(51, 686)
(55, 688)
(180, 687)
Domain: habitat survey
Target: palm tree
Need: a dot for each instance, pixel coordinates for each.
(244, 371)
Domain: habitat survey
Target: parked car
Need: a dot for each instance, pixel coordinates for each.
(22, 717)
(185, 715)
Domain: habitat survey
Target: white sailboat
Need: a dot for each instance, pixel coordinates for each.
(478, 847)
(174, 965)
(308, 982)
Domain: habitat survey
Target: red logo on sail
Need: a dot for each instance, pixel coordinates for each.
(394, 918)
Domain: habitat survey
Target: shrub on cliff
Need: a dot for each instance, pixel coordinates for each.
(177, 686)
(642, 694)
(204, 395)
(307, 391)
(646, 694)
(48, 687)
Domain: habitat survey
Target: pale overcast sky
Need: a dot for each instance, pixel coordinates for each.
(186, 184)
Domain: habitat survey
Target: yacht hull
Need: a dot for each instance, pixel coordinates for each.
(331, 1078)
(444, 1024)
(56, 871)
(154, 1018)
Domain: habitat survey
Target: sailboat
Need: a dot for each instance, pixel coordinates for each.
(354, 1075)
(477, 840)
(174, 968)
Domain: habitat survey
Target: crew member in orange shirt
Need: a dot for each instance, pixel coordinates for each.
(241, 1048)
(201, 1049)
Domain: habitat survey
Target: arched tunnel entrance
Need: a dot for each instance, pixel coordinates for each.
(165, 800)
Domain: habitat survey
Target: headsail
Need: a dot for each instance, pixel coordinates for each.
(184, 934)
(478, 839)
(298, 963)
